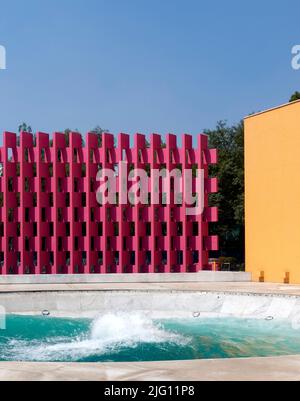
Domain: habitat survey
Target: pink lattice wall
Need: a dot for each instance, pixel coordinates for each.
(51, 223)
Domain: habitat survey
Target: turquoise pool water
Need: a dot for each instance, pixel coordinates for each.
(134, 337)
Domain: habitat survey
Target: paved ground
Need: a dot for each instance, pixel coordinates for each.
(255, 369)
(242, 288)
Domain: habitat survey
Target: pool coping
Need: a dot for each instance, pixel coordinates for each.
(242, 288)
(283, 368)
(201, 276)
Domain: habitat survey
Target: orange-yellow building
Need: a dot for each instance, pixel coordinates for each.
(272, 162)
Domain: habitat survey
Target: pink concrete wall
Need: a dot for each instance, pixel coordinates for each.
(51, 223)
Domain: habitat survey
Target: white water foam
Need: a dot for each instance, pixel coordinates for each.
(108, 333)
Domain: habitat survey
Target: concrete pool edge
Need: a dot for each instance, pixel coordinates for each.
(246, 300)
(234, 288)
(283, 368)
(203, 276)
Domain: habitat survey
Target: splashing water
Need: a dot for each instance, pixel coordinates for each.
(129, 329)
(108, 334)
(121, 337)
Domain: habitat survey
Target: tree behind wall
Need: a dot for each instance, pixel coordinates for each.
(295, 96)
(24, 128)
(99, 132)
(230, 199)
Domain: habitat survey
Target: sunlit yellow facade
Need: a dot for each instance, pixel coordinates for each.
(272, 167)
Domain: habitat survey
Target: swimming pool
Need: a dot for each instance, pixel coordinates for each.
(120, 337)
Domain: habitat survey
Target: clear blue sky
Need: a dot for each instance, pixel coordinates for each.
(144, 66)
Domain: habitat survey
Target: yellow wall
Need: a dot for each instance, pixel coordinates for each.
(272, 161)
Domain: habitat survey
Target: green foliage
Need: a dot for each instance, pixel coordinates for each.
(99, 131)
(67, 136)
(67, 133)
(295, 96)
(24, 128)
(230, 264)
(230, 199)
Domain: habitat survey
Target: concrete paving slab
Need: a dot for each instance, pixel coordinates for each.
(203, 276)
(231, 287)
(285, 368)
